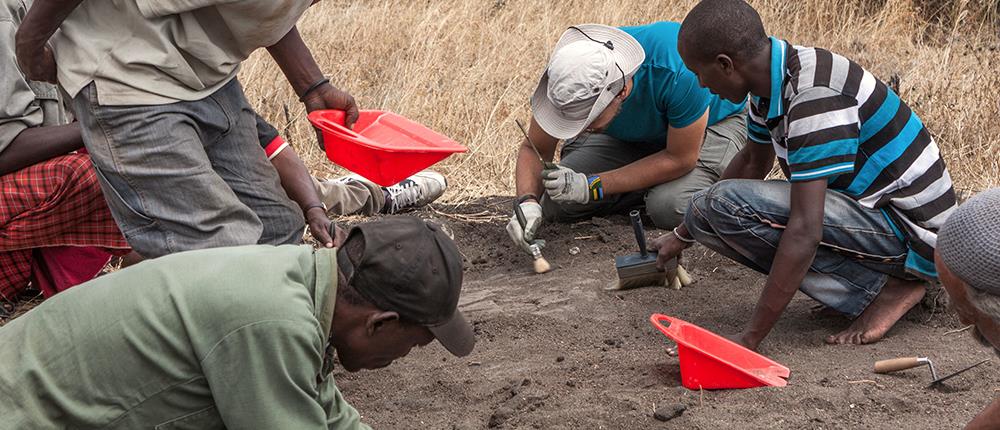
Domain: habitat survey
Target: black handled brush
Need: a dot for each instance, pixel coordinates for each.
(639, 269)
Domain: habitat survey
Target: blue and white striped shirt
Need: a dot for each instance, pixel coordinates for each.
(829, 118)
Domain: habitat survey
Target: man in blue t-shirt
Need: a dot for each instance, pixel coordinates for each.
(639, 129)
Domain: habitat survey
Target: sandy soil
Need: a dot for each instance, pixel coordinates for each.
(556, 351)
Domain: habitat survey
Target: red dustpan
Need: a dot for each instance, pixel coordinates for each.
(383, 147)
(712, 362)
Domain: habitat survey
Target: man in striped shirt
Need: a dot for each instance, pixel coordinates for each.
(854, 227)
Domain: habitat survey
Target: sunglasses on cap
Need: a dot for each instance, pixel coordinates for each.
(607, 44)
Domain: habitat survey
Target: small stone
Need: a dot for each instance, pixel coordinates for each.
(668, 412)
(574, 250)
(500, 415)
(600, 222)
(560, 359)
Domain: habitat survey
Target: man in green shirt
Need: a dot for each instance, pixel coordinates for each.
(233, 338)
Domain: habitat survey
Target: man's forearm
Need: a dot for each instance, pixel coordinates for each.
(647, 172)
(42, 20)
(745, 165)
(528, 173)
(795, 253)
(296, 61)
(295, 178)
(38, 144)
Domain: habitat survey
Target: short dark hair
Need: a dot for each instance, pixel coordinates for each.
(730, 27)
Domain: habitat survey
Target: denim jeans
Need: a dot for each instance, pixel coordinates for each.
(665, 203)
(187, 175)
(743, 220)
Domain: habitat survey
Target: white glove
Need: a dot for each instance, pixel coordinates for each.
(564, 185)
(532, 220)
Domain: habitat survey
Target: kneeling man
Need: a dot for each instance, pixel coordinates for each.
(854, 226)
(639, 130)
(238, 338)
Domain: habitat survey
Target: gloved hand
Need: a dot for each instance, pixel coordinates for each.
(532, 220)
(564, 185)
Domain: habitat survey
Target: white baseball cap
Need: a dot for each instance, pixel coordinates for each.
(584, 74)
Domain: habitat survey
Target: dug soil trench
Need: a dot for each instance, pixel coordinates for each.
(557, 351)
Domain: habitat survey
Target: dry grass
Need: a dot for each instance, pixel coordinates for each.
(466, 68)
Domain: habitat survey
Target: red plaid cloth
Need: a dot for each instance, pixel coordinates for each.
(51, 204)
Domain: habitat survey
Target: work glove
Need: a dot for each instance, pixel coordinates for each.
(563, 185)
(532, 220)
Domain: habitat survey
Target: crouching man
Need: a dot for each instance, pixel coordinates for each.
(855, 225)
(968, 263)
(638, 131)
(237, 338)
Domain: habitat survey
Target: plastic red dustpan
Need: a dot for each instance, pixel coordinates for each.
(383, 147)
(712, 362)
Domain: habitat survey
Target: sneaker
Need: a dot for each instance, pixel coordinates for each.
(413, 192)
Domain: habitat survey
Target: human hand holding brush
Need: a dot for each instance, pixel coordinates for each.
(522, 228)
(669, 248)
(648, 268)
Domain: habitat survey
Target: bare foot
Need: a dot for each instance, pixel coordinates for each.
(896, 298)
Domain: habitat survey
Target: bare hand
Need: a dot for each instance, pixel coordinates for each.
(319, 226)
(327, 96)
(37, 64)
(743, 340)
(667, 248)
(339, 236)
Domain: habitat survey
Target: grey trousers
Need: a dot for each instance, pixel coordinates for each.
(187, 175)
(665, 203)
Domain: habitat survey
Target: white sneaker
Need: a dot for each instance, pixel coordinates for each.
(416, 191)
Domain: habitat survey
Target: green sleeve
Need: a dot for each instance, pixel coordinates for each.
(339, 414)
(263, 375)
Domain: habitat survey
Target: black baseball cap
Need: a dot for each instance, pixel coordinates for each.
(411, 267)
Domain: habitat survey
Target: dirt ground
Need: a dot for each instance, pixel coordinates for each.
(556, 351)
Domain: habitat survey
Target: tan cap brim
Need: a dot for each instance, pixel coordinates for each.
(456, 335)
(628, 54)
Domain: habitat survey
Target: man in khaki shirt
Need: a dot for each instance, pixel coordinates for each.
(164, 118)
(233, 338)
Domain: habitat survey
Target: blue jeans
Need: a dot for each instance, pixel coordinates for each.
(744, 219)
(187, 175)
